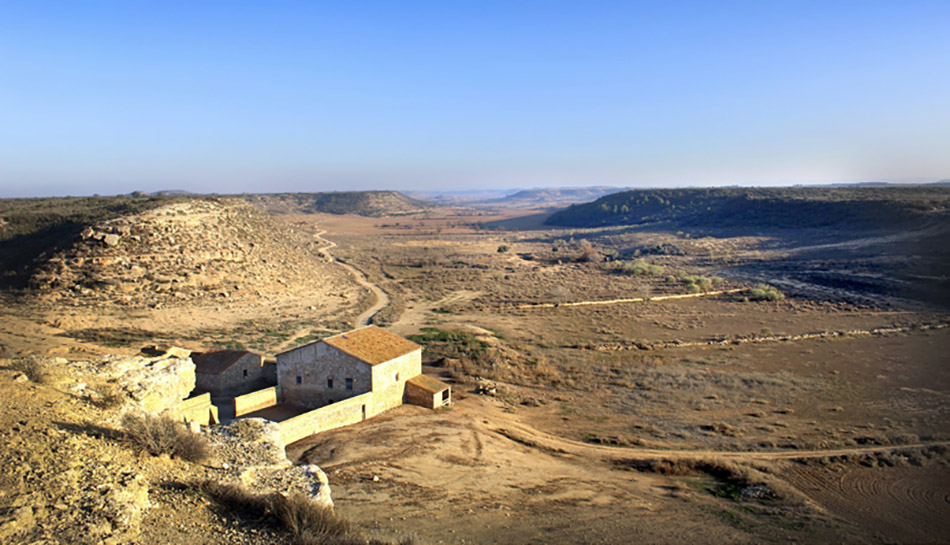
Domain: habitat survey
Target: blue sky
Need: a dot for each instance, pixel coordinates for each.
(111, 97)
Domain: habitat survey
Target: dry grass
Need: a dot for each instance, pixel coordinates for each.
(33, 368)
(307, 522)
(736, 481)
(162, 435)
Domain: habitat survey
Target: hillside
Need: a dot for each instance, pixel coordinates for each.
(363, 203)
(553, 196)
(186, 250)
(760, 208)
(32, 230)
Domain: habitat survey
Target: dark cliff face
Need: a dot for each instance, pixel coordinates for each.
(760, 208)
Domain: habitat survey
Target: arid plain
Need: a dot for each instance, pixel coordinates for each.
(613, 384)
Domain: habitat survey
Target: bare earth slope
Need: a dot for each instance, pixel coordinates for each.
(363, 203)
(189, 250)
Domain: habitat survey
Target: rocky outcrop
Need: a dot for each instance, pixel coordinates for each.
(186, 251)
(151, 384)
(252, 453)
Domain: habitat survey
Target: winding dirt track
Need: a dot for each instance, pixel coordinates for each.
(382, 298)
(530, 436)
(517, 431)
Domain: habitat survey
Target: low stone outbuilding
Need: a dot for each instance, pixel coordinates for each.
(228, 373)
(428, 392)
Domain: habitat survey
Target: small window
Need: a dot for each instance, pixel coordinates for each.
(349, 384)
(397, 377)
(329, 383)
(299, 379)
(245, 373)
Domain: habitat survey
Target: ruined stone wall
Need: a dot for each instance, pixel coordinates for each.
(316, 374)
(256, 401)
(342, 413)
(389, 379)
(197, 409)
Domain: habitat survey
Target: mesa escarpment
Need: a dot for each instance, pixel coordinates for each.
(194, 251)
(362, 203)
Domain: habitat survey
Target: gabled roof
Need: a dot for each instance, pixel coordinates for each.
(213, 363)
(372, 344)
(429, 384)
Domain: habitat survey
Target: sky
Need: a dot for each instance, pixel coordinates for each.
(111, 97)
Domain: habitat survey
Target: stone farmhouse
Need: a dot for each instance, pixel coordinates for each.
(227, 373)
(341, 380)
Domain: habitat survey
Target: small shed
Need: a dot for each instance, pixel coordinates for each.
(429, 392)
(227, 373)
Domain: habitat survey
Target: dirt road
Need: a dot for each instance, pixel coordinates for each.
(382, 298)
(501, 481)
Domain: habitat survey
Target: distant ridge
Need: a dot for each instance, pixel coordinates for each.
(763, 208)
(559, 195)
(172, 193)
(363, 203)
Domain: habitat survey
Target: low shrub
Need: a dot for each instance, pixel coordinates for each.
(33, 368)
(765, 292)
(696, 284)
(639, 267)
(309, 523)
(159, 435)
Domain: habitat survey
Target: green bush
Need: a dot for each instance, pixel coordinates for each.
(696, 284)
(765, 292)
(503, 248)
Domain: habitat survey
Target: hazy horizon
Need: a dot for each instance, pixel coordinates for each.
(115, 97)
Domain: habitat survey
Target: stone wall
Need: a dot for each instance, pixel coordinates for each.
(246, 375)
(342, 413)
(422, 398)
(256, 401)
(197, 409)
(389, 379)
(316, 374)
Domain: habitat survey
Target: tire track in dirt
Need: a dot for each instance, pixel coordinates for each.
(908, 504)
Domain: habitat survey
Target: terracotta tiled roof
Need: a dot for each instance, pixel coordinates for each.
(212, 363)
(372, 344)
(429, 384)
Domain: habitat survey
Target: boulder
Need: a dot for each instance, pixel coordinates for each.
(251, 451)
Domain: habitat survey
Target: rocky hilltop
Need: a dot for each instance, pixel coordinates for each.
(72, 473)
(192, 250)
(363, 203)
